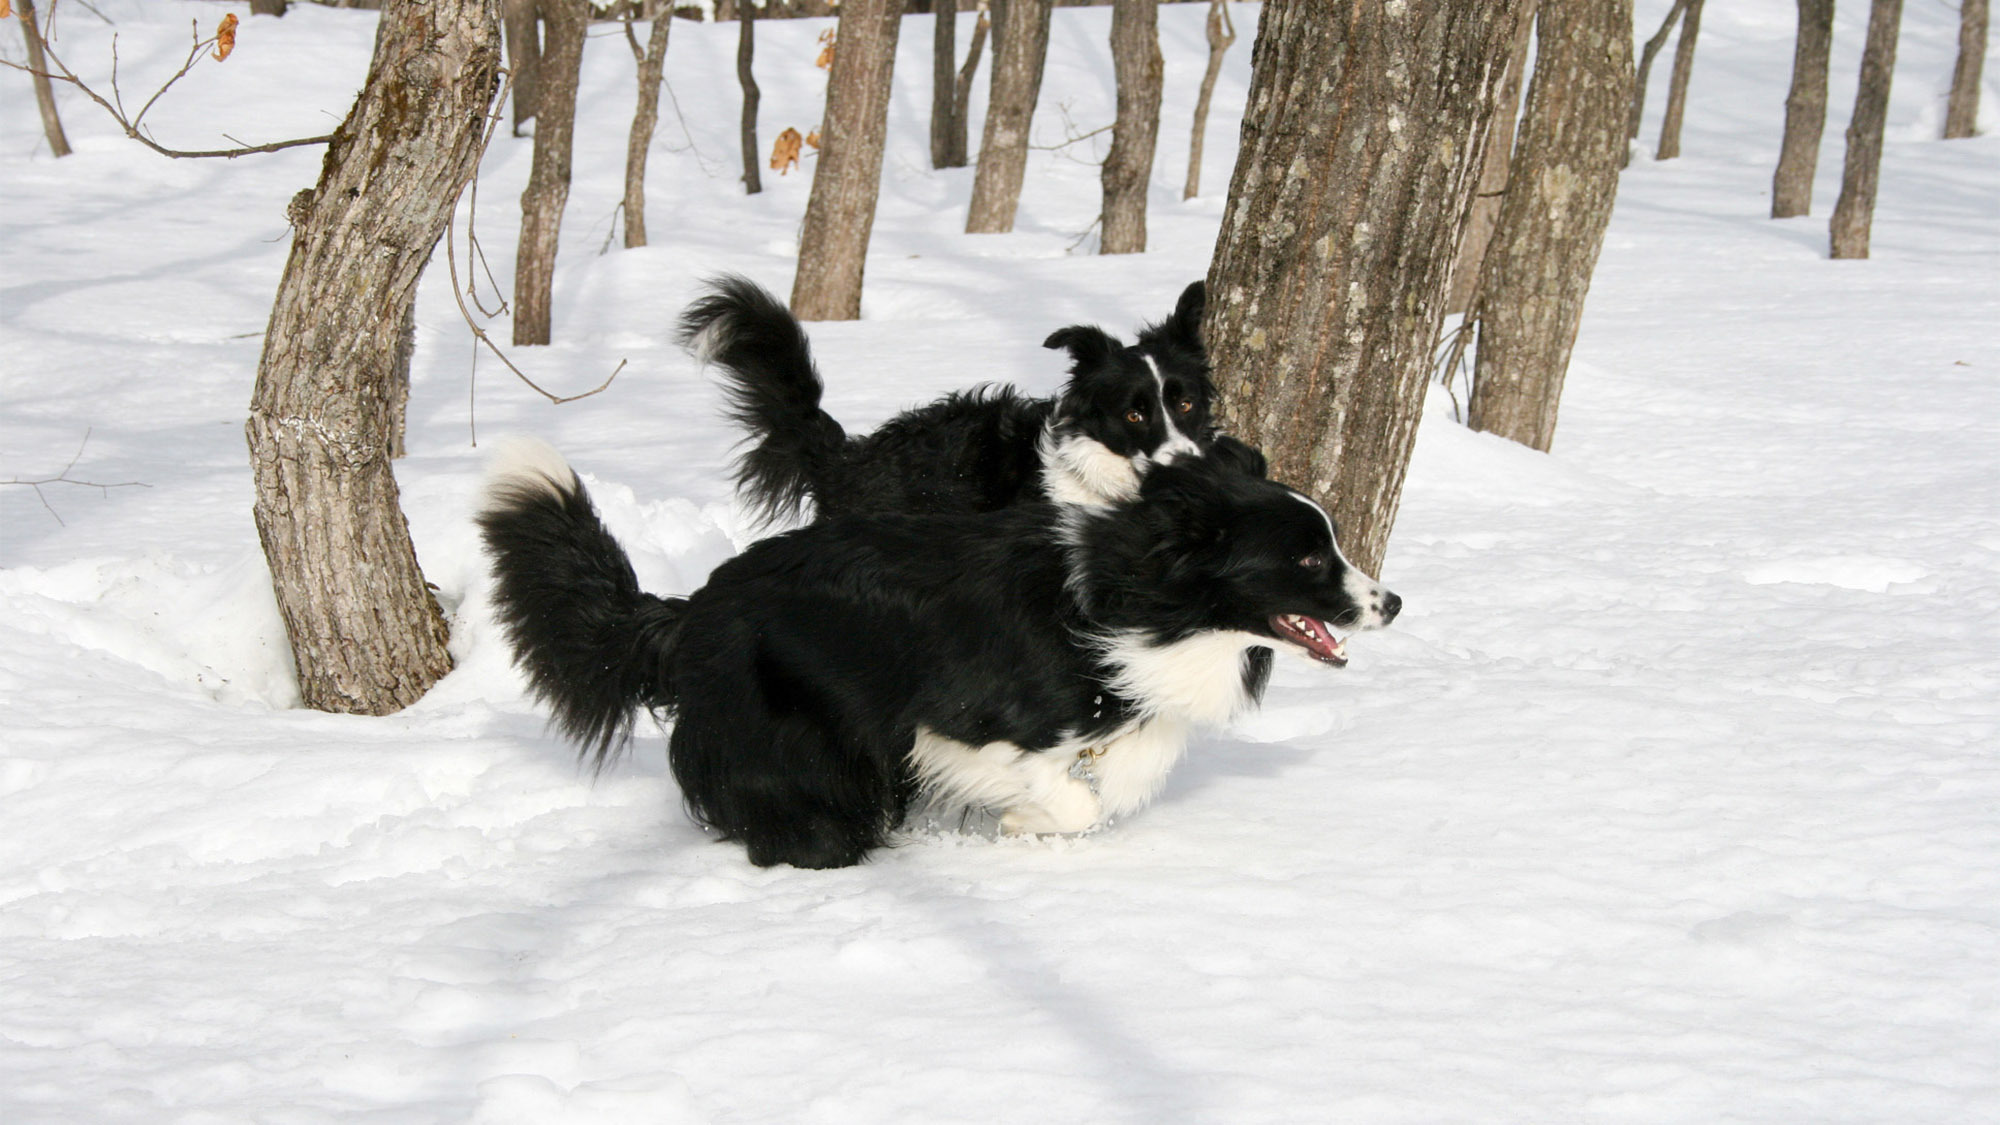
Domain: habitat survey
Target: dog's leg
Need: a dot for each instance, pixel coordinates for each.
(1032, 791)
(1052, 799)
(1132, 767)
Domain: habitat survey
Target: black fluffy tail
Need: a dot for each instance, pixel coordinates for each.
(594, 645)
(773, 389)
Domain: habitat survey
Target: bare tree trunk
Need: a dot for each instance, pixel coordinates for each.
(746, 54)
(1221, 34)
(834, 247)
(1021, 46)
(45, 97)
(1854, 211)
(1493, 173)
(365, 632)
(1805, 112)
(1328, 282)
(1646, 56)
(524, 56)
(944, 70)
(652, 64)
(1128, 167)
(1961, 115)
(1552, 223)
(1677, 86)
(267, 8)
(548, 179)
(957, 154)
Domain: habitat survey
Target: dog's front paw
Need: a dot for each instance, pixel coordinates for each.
(1066, 808)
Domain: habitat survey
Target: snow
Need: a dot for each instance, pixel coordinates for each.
(1673, 796)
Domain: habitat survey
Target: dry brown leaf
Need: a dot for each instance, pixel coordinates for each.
(6, 9)
(826, 44)
(225, 37)
(812, 138)
(785, 153)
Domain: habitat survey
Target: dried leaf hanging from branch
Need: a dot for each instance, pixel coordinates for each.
(785, 153)
(225, 37)
(826, 45)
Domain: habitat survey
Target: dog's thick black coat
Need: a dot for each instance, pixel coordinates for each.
(799, 678)
(972, 451)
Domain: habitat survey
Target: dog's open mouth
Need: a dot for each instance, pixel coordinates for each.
(1311, 634)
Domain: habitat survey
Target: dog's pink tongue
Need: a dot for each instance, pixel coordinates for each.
(1311, 634)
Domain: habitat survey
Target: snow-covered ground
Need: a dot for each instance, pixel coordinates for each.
(1673, 796)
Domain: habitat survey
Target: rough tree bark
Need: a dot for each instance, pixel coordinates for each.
(652, 65)
(944, 72)
(958, 154)
(1552, 221)
(1805, 112)
(1128, 167)
(1492, 173)
(524, 56)
(1221, 34)
(1854, 211)
(746, 55)
(45, 96)
(542, 201)
(267, 7)
(841, 211)
(1677, 86)
(365, 632)
(1021, 46)
(1646, 57)
(1361, 146)
(1961, 115)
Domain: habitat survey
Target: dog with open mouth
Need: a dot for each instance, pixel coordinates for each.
(1046, 662)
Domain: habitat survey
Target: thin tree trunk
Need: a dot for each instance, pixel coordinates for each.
(1552, 223)
(547, 192)
(45, 96)
(1128, 167)
(1854, 212)
(1805, 112)
(944, 70)
(1677, 89)
(1677, 86)
(841, 212)
(267, 8)
(1646, 57)
(1961, 115)
(524, 56)
(746, 54)
(1021, 47)
(1328, 282)
(652, 64)
(1493, 173)
(958, 154)
(365, 633)
(1221, 34)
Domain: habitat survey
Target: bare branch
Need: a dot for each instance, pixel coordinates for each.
(63, 477)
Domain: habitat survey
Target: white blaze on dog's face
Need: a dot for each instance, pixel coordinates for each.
(1124, 410)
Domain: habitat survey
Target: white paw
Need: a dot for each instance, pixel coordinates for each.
(1064, 808)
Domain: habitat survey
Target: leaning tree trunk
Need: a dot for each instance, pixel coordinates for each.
(944, 72)
(746, 55)
(1646, 56)
(1020, 49)
(1328, 281)
(1854, 212)
(524, 56)
(1128, 168)
(366, 634)
(1805, 112)
(45, 97)
(542, 201)
(1493, 173)
(652, 64)
(956, 150)
(1677, 86)
(1221, 34)
(841, 212)
(1552, 222)
(1961, 114)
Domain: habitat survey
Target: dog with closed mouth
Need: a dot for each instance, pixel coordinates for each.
(1044, 661)
(1123, 409)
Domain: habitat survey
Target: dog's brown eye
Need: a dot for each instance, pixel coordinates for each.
(1135, 416)
(1313, 562)
(1184, 406)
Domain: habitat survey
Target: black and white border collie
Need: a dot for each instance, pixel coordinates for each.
(1046, 662)
(1124, 408)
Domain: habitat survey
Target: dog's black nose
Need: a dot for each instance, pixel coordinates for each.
(1391, 606)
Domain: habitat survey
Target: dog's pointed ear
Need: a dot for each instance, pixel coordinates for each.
(1239, 455)
(1188, 311)
(1088, 345)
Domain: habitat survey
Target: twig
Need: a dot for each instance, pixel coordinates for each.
(64, 478)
